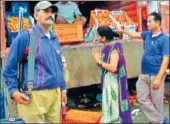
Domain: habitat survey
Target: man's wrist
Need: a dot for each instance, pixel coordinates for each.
(158, 77)
(12, 92)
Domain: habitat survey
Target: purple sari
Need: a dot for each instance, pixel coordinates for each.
(124, 107)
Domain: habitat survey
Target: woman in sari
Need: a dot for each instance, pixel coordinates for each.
(115, 104)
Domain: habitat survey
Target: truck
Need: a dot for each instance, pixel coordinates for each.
(83, 70)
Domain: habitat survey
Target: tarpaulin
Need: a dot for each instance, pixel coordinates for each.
(2, 105)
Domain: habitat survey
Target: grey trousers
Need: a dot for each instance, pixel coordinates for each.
(154, 108)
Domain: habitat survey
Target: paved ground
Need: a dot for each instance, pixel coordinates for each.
(137, 119)
(11, 111)
(142, 118)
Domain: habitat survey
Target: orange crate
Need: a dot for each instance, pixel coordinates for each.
(69, 33)
(80, 116)
(93, 18)
(103, 18)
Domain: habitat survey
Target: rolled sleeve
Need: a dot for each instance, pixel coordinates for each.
(16, 53)
(144, 34)
(165, 47)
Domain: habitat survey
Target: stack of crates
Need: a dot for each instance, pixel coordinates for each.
(12, 20)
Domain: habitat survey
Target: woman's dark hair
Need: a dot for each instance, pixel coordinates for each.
(157, 17)
(106, 31)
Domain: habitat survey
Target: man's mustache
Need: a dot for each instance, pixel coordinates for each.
(50, 18)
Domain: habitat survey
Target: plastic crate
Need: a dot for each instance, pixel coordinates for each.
(17, 5)
(12, 23)
(69, 33)
(101, 17)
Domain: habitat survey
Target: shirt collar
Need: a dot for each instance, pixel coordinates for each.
(40, 31)
(162, 32)
(52, 34)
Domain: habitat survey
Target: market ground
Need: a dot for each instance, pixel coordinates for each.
(141, 118)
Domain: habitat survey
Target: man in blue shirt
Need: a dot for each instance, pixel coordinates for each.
(45, 102)
(68, 12)
(154, 63)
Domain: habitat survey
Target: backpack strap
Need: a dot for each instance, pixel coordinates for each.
(31, 59)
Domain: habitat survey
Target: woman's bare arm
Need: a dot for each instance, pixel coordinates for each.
(112, 66)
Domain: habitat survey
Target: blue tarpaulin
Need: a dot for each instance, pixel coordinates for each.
(2, 105)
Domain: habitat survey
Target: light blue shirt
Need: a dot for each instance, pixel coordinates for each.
(68, 10)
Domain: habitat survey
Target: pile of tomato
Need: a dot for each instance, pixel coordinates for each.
(13, 23)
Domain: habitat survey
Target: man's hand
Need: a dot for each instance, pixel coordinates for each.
(133, 34)
(78, 19)
(64, 97)
(20, 98)
(119, 28)
(117, 24)
(157, 83)
(96, 54)
(161, 75)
